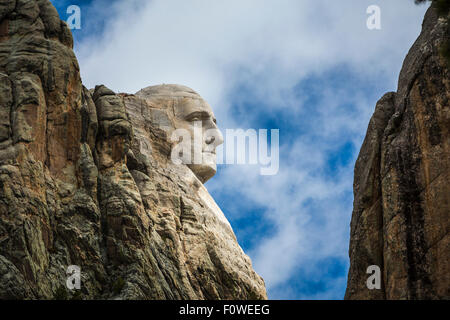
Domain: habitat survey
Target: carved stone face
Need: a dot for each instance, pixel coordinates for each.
(196, 114)
(187, 110)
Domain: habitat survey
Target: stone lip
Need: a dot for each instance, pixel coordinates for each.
(86, 179)
(401, 192)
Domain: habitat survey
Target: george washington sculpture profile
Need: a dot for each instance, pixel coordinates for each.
(87, 179)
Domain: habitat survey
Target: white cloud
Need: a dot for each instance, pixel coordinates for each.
(269, 44)
(268, 47)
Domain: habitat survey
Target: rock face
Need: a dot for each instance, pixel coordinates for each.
(86, 179)
(401, 209)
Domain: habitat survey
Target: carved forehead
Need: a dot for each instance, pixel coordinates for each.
(182, 100)
(168, 91)
(183, 107)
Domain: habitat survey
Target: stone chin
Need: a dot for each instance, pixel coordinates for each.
(207, 169)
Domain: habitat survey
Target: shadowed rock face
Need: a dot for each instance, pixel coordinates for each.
(86, 179)
(401, 209)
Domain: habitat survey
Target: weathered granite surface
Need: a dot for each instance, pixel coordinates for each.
(401, 209)
(86, 179)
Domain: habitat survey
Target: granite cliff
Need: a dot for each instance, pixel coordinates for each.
(86, 179)
(400, 219)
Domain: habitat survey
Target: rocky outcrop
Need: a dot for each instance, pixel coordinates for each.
(401, 209)
(86, 179)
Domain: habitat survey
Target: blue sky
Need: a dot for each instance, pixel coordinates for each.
(310, 68)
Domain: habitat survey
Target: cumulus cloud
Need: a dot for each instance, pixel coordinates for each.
(312, 68)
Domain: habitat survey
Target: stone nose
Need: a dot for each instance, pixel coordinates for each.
(217, 138)
(210, 139)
